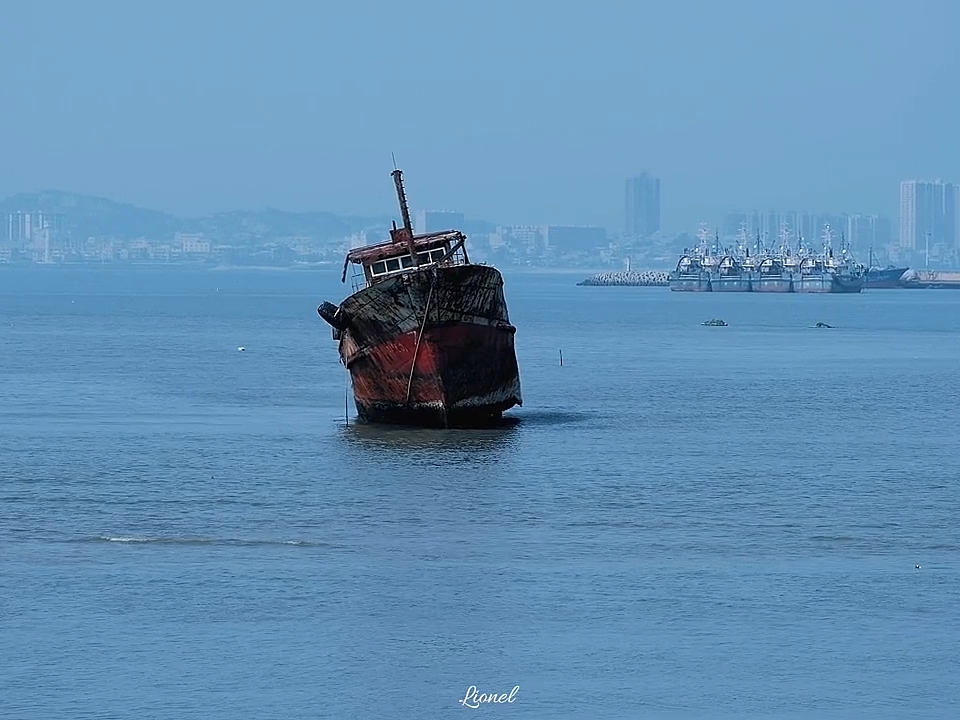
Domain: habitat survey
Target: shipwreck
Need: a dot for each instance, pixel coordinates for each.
(426, 335)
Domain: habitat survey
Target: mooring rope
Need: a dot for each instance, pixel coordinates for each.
(416, 350)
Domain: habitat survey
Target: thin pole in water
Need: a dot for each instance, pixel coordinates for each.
(346, 411)
(561, 358)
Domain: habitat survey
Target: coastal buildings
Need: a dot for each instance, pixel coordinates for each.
(929, 217)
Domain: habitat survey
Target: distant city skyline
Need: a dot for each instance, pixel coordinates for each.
(641, 211)
(52, 228)
(214, 108)
(929, 215)
(617, 223)
(860, 230)
(642, 216)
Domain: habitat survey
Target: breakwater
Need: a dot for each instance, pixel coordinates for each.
(642, 278)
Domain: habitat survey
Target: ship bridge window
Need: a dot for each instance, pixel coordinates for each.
(431, 256)
(406, 261)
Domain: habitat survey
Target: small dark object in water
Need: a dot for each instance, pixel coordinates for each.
(714, 323)
(823, 325)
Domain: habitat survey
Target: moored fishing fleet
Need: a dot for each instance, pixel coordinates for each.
(792, 266)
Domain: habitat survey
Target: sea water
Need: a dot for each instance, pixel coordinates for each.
(683, 522)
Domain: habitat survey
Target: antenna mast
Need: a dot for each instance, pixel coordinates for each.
(405, 214)
(402, 197)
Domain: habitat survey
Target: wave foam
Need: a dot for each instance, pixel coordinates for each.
(201, 541)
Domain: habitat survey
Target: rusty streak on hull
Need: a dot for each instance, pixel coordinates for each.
(464, 372)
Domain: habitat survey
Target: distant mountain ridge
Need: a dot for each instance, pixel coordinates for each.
(93, 216)
(88, 215)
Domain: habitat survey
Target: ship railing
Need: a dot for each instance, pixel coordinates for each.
(456, 255)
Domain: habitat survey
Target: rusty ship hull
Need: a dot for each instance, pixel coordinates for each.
(431, 348)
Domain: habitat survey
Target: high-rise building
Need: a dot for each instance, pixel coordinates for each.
(908, 215)
(950, 220)
(21, 226)
(429, 221)
(867, 231)
(642, 206)
(929, 214)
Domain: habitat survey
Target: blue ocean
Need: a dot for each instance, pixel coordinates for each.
(751, 521)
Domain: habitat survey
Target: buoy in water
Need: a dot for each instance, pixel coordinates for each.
(241, 348)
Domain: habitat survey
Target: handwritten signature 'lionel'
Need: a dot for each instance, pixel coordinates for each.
(474, 699)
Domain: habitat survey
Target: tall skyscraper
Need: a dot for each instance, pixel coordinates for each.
(437, 220)
(950, 221)
(929, 213)
(642, 206)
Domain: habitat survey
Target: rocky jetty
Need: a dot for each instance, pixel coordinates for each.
(643, 278)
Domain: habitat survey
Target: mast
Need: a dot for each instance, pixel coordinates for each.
(827, 240)
(703, 236)
(743, 240)
(405, 214)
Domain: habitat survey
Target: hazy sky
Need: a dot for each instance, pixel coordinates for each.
(510, 110)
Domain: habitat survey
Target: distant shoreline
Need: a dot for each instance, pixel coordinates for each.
(313, 267)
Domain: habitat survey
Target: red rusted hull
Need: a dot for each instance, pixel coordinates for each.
(432, 348)
(465, 374)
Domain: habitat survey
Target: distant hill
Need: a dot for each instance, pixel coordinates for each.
(240, 225)
(85, 216)
(89, 216)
